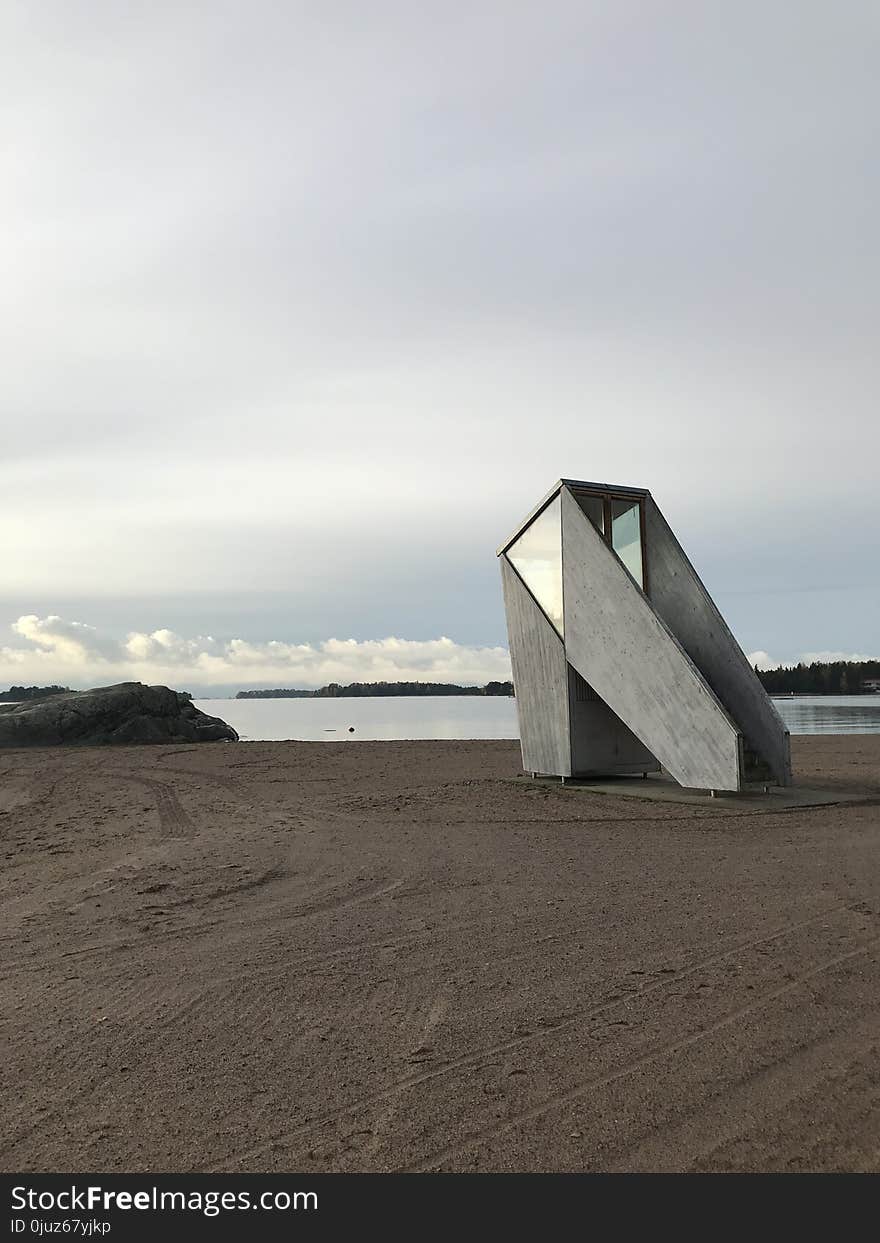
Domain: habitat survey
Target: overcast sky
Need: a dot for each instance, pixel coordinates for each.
(304, 305)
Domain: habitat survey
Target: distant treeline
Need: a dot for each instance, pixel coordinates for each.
(362, 690)
(18, 694)
(840, 677)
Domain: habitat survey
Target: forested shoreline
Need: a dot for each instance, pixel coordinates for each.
(360, 690)
(840, 677)
(817, 678)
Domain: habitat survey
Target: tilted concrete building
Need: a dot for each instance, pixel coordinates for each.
(622, 664)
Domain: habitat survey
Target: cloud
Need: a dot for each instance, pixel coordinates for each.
(762, 660)
(76, 654)
(325, 296)
(69, 641)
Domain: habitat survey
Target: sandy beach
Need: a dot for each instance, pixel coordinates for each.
(398, 956)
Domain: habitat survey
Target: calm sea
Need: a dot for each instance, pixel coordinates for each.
(330, 720)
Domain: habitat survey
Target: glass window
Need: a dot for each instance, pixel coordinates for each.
(594, 508)
(626, 536)
(537, 558)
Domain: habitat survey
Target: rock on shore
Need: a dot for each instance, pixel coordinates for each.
(128, 713)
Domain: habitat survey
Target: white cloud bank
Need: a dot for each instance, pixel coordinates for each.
(75, 654)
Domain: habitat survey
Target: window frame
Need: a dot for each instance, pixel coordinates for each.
(607, 496)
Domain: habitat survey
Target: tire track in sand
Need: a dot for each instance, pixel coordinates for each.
(562, 1099)
(173, 820)
(697, 1137)
(516, 1042)
(323, 906)
(436, 1013)
(69, 1088)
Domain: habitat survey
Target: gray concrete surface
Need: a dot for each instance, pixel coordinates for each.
(623, 649)
(540, 676)
(680, 599)
(661, 788)
(600, 742)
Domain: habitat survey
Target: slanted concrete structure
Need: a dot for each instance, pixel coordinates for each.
(622, 664)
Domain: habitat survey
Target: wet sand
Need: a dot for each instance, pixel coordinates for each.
(395, 956)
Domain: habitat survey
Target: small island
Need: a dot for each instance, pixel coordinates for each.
(23, 694)
(362, 690)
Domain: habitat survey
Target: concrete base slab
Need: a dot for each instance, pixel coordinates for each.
(658, 787)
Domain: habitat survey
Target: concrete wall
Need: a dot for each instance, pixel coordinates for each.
(540, 679)
(681, 600)
(600, 742)
(618, 644)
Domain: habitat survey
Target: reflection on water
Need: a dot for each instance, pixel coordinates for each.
(830, 714)
(394, 716)
(441, 716)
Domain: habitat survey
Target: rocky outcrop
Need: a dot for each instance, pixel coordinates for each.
(128, 713)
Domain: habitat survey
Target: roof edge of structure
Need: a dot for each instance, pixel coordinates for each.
(586, 485)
